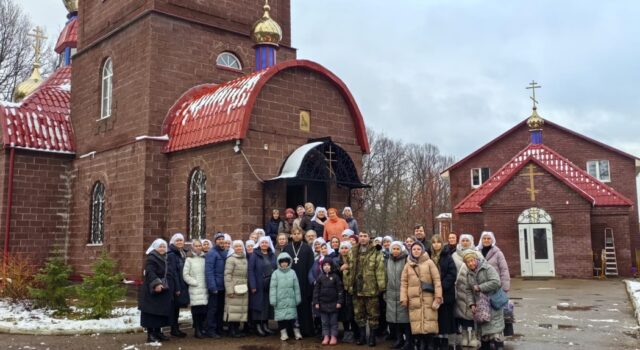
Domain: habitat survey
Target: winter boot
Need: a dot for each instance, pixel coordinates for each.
(297, 334)
(473, 339)
(151, 336)
(259, 331)
(176, 332)
(362, 339)
(499, 345)
(283, 334)
(347, 337)
(485, 345)
(397, 330)
(464, 338)
(333, 340)
(159, 335)
(372, 338)
(266, 329)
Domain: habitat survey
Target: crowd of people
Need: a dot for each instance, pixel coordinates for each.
(314, 270)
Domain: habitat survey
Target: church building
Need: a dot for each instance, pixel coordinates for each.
(560, 203)
(171, 116)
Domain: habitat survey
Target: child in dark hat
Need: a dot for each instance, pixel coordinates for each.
(328, 299)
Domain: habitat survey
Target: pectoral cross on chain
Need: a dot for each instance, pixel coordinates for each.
(295, 260)
(531, 173)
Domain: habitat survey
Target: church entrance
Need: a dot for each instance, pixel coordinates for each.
(536, 243)
(300, 193)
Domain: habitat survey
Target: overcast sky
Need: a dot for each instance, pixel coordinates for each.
(453, 73)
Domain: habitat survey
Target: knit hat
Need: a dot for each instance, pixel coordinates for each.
(345, 244)
(387, 238)
(471, 254)
(218, 236)
(347, 233)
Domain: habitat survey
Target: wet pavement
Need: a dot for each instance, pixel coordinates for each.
(551, 314)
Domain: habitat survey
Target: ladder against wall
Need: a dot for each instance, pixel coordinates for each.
(610, 261)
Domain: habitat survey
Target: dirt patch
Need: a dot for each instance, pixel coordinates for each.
(575, 307)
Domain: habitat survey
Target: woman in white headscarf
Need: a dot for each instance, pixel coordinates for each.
(176, 257)
(154, 296)
(236, 306)
(464, 315)
(318, 220)
(262, 263)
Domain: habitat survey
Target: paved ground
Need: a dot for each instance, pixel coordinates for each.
(553, 314)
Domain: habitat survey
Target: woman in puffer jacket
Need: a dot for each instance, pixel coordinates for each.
(464, 316)
(236, 304)
(397, 314)
(193, 275)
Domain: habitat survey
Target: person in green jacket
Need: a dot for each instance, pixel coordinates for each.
(284, 296)
(368, 282)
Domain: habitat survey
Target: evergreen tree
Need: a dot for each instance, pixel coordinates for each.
(52, 283)
(98, 293)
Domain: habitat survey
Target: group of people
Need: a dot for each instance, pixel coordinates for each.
(323, 271)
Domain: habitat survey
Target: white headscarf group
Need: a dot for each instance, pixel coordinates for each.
(155, 245)
(267, 239)
(322, 242)
(482, 235)
(320, 209)
(176, 237)
(463, 236)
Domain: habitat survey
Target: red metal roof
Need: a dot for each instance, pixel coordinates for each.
(68, 37)
(210, 113)
(594, 191)
(523, 123)
(41, 122)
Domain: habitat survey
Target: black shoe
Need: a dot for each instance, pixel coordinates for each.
(259, 330)
(398, 344)
(485, 345)
(151, 338)
(266, 329)
(176, 332)
(372, 338)
(499, 345)
(444, 344)
(161, 336)
(362, 339)
(197, 334)
(213, 335)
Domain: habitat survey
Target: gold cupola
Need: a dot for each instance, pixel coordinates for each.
(266, 31)
(33, 82)
(71, 5)
(535, 122)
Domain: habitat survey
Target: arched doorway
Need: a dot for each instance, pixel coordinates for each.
(536, 243)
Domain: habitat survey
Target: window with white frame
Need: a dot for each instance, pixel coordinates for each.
(229, 60)
(479, 176)
(107, 88)
(197, 201)
(97, 214)
(599, 169)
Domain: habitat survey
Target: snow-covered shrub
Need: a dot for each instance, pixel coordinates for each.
(16, 278)
(52, 286)
(98, 293)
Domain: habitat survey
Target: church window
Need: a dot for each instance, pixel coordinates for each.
(197, 204)
(228, 60)
(97, 214)
(599, 169)
(107, 88)
(479, 176)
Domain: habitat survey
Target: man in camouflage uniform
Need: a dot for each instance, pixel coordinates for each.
(368, 281)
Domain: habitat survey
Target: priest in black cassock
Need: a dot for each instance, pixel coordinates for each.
(302, 256)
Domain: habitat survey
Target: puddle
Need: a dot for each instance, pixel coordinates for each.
(565, 307)
(566, 326)
(557, 326)
(565, 299)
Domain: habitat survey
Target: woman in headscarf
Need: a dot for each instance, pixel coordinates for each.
(227, 241)
(351, 221)
(249, 246)
(494, 256)
(236, 305)
(176, 258)
(287, 224)
(206, 245)
(464, 316)
(256, 234)
(193, 275)
(484, 279)
(261, 265)
(421, 293)
(318, 221)
(334, 225)
(346, 316)
(397, 315)
(301, 261)
(324, 251)
(273, 224)
(448, 273)
(155, 299)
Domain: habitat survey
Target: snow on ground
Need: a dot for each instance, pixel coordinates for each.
(15, 318)
(633, 288)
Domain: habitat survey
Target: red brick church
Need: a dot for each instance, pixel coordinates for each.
(555, 200)
(171, 116)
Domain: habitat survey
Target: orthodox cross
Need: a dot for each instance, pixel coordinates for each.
(533, 86)
(329, 158)
(38, 35)
(532, 190)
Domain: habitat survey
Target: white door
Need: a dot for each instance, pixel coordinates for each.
(536, 250)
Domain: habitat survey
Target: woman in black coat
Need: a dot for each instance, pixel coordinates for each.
(261, 265)
(154, 298)
(271, 227)
(176, 258)
(441, 255)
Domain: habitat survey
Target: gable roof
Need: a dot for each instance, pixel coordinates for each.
(41, 122)
(547, 122)
(594, 191)
(210, 113)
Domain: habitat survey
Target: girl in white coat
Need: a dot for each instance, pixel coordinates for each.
(193, 274)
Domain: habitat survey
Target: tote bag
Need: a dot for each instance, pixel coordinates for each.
(483, 308)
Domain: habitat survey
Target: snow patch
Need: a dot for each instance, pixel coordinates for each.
(561, 317)
(633, 288)
(606, 321)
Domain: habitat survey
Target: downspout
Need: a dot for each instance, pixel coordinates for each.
(7, 228)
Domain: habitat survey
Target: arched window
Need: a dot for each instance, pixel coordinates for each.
(97, 214)
(228, 60)
(197, 204)
(107, 88)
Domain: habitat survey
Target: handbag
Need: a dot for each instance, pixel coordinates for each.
(240, 289)
(499, 299)
(483, 308)
(425, 286)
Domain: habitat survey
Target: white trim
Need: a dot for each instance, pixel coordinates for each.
(294, 161)
(106, 80)
(153, 138)
(94, 244)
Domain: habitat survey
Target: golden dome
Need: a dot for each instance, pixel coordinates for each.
(28, 86)
(535, 122)
(71, 5)
(266, 30)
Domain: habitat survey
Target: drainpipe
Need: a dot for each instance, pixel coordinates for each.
(8, 215)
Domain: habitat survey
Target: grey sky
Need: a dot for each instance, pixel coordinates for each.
(453, 73)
